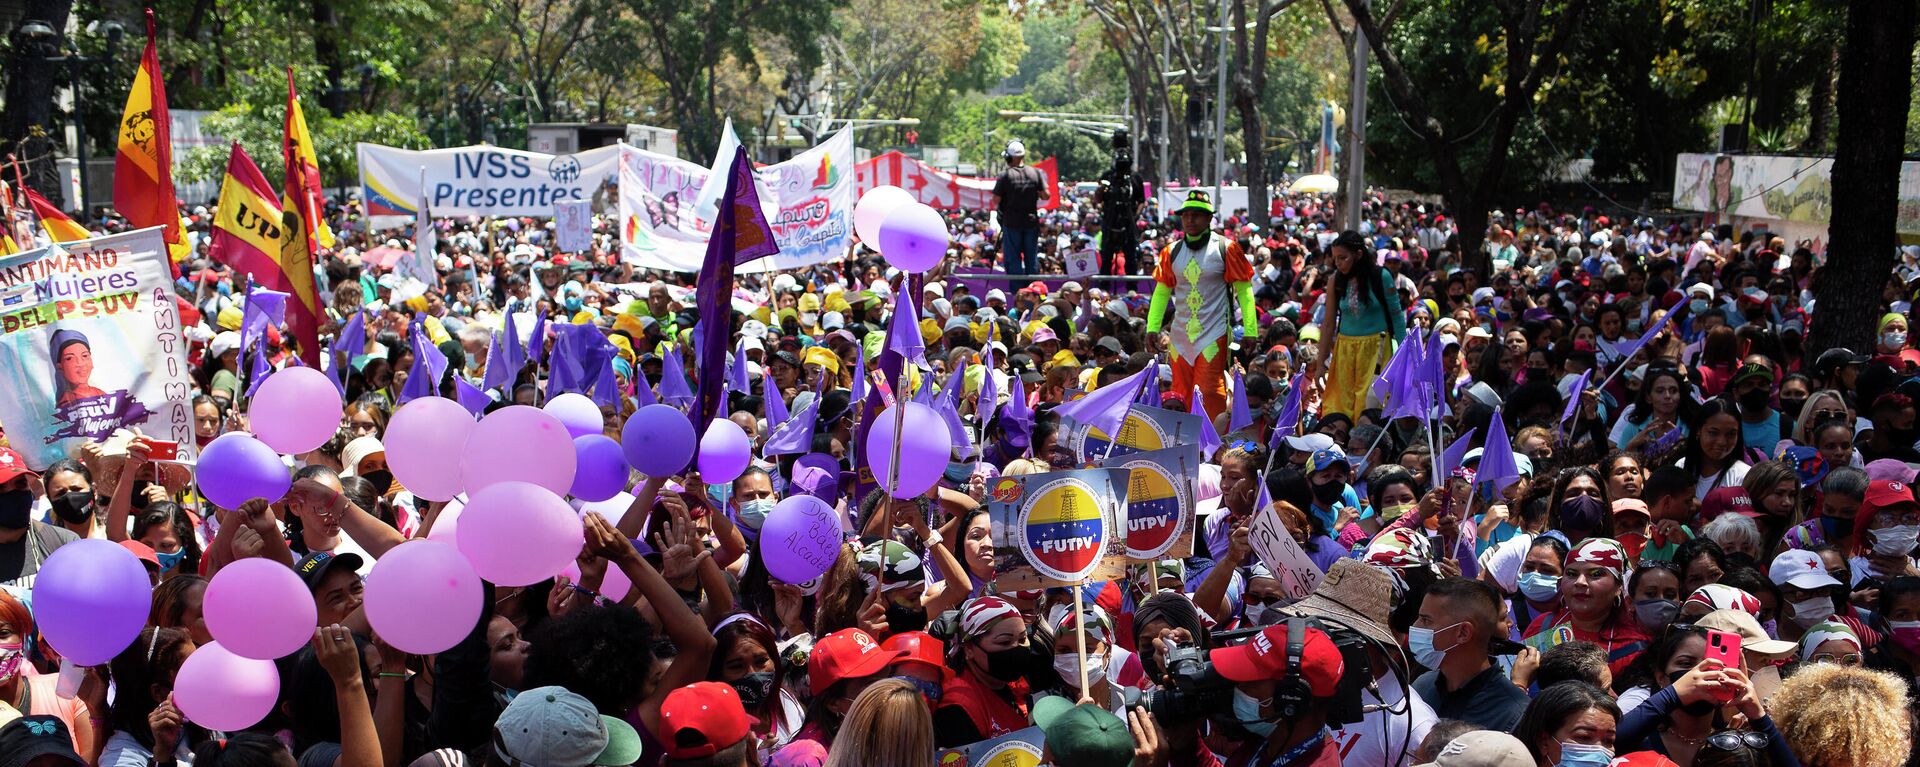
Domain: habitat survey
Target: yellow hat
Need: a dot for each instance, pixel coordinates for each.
(625, 346)
(976, 376)
(230, 318)
(1064, 357)
(929, 331)
(630, 325)
(583, 317)
(763, 314)
(436, 332)
(837, 303)
(416, 303)
(809, 302)
(1310, 333)
(824, 357)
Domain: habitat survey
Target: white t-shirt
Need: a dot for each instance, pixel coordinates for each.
(123, 751)
(1383, 738)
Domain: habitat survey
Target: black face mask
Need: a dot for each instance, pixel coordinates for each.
(754, 689)
(1790, 407)
(74, 508)
(1011, 664)
(16, 509)
(1754, 400)
(1582, 513)
(903, 619)
(1328, 493)
(381, 480)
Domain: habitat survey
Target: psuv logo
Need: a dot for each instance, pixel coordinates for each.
(564, 169)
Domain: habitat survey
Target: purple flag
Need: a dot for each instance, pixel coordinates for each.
(794, 434)
(1456, 452)
(1240, 416)
(471, 397)
(333, 371)
(1496, 457)
(565, 371)
(642, 391)
(1289, 418)
(947, 404)
(1150, 395)
(1573, 397)
(261, 368)
(1209, 437)
(516, 354)
(497, 375)
(606, 386)
(740, 235)
(1629, 349)
(859, 392)
(673, 382)
(353, 335)
(1410, 398)
(989, 390)
(537, 343)
(1387, 387)
(775, 407)
(1016, 419)
(423, 380)
(737, 379)
(265, 308)
(903, 331)
(1105, 408)
(924, 391)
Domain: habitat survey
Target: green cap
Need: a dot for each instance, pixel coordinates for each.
(901, 564)
(623, 744)
(1083, 734)
(1197, 200)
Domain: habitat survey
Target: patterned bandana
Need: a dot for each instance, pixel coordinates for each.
(1716, 596)
(1605, 552)
(980, 613)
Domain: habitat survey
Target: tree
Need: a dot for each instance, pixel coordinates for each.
(1871, 101)
(1531, 35)
(27, 127)
(1250, 88)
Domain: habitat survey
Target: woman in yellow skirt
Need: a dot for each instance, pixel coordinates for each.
(1364, 317)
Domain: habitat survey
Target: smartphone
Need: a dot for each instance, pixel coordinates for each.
(1723, 647)
(163, 450)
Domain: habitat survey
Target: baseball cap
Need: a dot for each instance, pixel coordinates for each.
(1722, 500)
(1310, 443)
(1326, 458)
(1883, 493)
(753, 329)
(313, 568)
(1197, 200)
(143, 551)
(1702, 289)
(1083, 734)
(1044, 334)
(702, 719)
(1483, 748)
(1265, 657)
(1753, 370)
(918, 647)
(1801, 569)
(29, 738)
(845, 654)
(1834, 359)
(13, 464)
(552, 727)
(1752, 638)
(1110, 344)
(1807, 464)
(1630, 506)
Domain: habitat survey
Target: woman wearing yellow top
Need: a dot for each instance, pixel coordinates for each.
(1365, 318)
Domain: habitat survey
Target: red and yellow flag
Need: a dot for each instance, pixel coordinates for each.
(254, 235)
(59, 227)
(143, 164)
(304, 192)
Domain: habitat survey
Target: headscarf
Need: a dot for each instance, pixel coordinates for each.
(1719, 596)
(1821, 632)
(1176, 610)
(902, 566)
(1061, 621)
(979, 614)
(1605, 552)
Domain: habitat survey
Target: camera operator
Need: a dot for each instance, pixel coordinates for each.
(1120, 198)
(1285, 680)
(1166, 621)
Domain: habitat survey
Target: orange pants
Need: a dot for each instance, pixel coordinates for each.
(1209, 375)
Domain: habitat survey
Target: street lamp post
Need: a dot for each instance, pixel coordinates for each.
(41, 31)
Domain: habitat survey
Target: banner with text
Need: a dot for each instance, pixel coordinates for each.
(90, 342)
(808, 199)
(944, 190)
(1058, 529)
(481, 181)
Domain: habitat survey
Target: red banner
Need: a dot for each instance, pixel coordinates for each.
(941, 189)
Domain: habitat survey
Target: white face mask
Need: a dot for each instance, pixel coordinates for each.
(1067, 665)
(1812, 611)
(1896, 541)
(1254, 613)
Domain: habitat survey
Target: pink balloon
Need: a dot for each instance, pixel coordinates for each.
(219, 690)
(614, 586)
(576, 412)
(447, 524)
(296, 410)
(925, 448)
(873, 208)
(423, 440)
(914, 237)
(518, 533)
(518, 444)
(258, 608)
(423, 597)
(725, 451)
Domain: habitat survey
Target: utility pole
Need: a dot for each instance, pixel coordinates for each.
(1165, 127)
(1220, 115)
(1356, 180)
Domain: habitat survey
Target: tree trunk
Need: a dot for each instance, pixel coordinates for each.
(327, 49)
(1196, 145)
(1820, 107)
(28, 126)
(1249, 84)
(1870, 102)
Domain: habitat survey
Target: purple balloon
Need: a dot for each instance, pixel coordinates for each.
(296, 410)
(422, 440)
(925, 448)
(872, 209)
(914, 237)
(219, 690)
(90, 600)
(518, 533)
(576, 412)
(258, 608)
(658, 440)
(423, 597)
(518, 444)
(725, 451)
(236, 468)
(800, 539)
(603, 468)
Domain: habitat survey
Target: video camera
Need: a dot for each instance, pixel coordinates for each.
(1193, 688)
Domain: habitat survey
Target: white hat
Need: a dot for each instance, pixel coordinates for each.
(935, 288)
(832, 321)
(784, 282)
(1479, 332)
(1705, 290)
(1482, 294)
(1310, 443)
(1015, 149)
(752, 345)
(1800, 569)
(1070, 286)
(1483, 748)
(224, 342)
(753, 329)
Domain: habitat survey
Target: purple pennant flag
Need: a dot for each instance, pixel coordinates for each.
(989, 396)
(1240, 416)
(515, 358)
(1573, 397)
(1411, 386)
(859, 393)
(794, 434)
(471, 397)
(537, 343)
(642, 391)
(1496, 457)
(1150, 395)
(924, 391)
(1629, 349)
(947, 404)
(1387, 387)
(673, 382)
(737, 379)
(1289, 418)
(1436, 369)
(775, 407)
(606, 386)
(903, 331)
(1016, 419)
(353, 335)
(333, 371)
(1105, 408)
(1457, 452)
(265, 308)
(261, 368)
(740, 235)
(428, 365)
(1209, 437)
(564, 370)
(497, 376)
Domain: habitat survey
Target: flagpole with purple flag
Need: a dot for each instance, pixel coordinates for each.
(734, 242)
(1627, 353)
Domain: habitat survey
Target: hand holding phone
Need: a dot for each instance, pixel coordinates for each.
(1723, 648)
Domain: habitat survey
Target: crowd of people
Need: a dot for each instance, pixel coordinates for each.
(1697, 550)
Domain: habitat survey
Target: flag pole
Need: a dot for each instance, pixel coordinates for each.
(899, 427)
(1080, 632)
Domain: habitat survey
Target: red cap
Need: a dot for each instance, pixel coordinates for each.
(143, 551)
(1037, 287)
(917, 647)
(711, 710)
(1265, 657)
(1882, 493)
(1910, 356)
(1642, 759)
(13, 464)
(845, 654)
(1722, 500)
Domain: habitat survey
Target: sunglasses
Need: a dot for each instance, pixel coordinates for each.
(1735, 740)
(1849, 659)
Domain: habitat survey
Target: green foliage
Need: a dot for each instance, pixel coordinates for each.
(258, 128)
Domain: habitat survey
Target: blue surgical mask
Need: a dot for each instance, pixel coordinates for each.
(1539, 587)
(168, 561)
(929, 689)
(754, 513)
(1246, 711)
(1697, 306)
(1420, 642)
(1583, 755)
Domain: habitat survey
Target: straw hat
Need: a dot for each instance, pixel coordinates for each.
(1355, 592)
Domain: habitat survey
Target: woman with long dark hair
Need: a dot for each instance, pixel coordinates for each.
(1660, 405)
(1366, 322)
(1714, 447)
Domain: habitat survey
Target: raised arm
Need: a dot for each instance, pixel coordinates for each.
(688, 631)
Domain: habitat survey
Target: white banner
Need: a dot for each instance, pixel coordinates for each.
(808, 200)
(90, 342)
(481, 181)
(573, 226)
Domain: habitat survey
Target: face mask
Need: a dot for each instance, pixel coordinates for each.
(169, 561)
(1246, 711)
(1582, 512)
(74, 508)
(931, 690)
(11, 658)
(1395, 511)
(381, 479)
(1539, 587)
(1811, 611)
(902, 619)
(1895, 541)
(1254, 613)
(15, 509)
(1754, 400)
(1906, 634)
(754, 513)
(1893, 338)
(1835, 528)
(754, 689)
(1654, 613)
(1697, 306)
(1582, 755)
(1010, 664)
(1328, 493)
(1790, 407)
(1068, 667)
(1420, 642)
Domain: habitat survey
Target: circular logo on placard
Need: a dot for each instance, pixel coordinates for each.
(1138, 434)
(1062, 529)
(1013, 753)
(1154, 500)
(564, 169)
